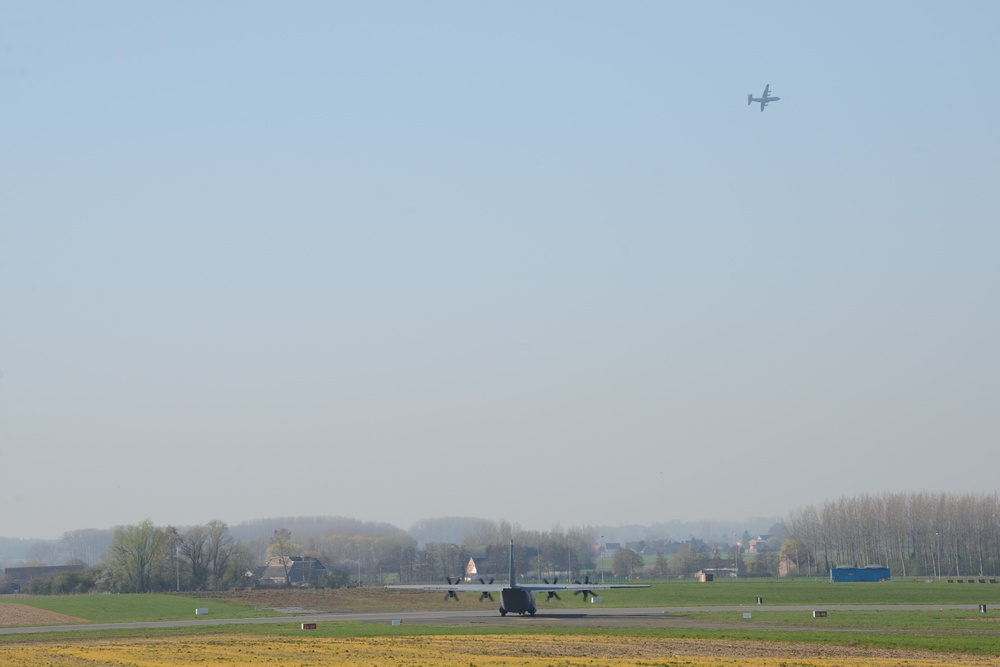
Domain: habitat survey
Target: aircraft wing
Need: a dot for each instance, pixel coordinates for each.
(767, 91)
(496, 588)
(458, 588)
(577, 587)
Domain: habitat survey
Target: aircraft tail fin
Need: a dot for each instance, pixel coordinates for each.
(512, 582)
(749, 98)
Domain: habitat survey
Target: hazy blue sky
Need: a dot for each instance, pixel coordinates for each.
(536, 261)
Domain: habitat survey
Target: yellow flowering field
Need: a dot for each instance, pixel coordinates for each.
(456, 651)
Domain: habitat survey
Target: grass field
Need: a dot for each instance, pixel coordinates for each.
(113, 608)
(803, 592)
(134, 608)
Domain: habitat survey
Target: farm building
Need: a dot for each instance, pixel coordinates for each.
(722, 567)
(869, 573)
(18, 578)
(291, 571)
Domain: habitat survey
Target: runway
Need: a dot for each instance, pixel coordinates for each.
(608, 617)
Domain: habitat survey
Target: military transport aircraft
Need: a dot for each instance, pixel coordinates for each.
(764, 99)
(516, 598)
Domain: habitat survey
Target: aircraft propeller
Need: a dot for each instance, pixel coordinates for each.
(552, 594)
(485, 594)
(452, 594)
(584, 592)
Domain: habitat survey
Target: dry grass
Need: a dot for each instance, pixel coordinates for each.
(456, 651)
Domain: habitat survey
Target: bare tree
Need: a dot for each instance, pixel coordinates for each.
(192, 546)
(219, 549)
(42, 553)
(795, 551)
(626, 563)
(922, 534)
(88, 544)
(281, 546)
(661, 569)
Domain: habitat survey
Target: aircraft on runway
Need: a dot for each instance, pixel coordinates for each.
(516, 598)
(764, 99)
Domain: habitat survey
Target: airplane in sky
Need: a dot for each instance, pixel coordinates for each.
(516, 598)
(764, 99)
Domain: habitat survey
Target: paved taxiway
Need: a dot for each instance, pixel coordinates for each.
(608, 617)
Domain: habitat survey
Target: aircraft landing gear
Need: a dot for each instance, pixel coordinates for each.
(503, 612)
(531, 612)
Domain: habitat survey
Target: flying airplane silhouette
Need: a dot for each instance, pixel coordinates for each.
(515, 598)
(764, 99)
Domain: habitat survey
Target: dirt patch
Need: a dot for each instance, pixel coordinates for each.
(12, 614)
(333, 600)
(648, 648)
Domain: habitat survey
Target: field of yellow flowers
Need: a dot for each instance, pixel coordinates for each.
(454, 651)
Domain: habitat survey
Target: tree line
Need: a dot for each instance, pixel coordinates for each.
(144, 557)
(921, 534)
(914, 534)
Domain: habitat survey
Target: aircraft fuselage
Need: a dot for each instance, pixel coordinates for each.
(764, 99)
(517, 601)
(515, 598)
